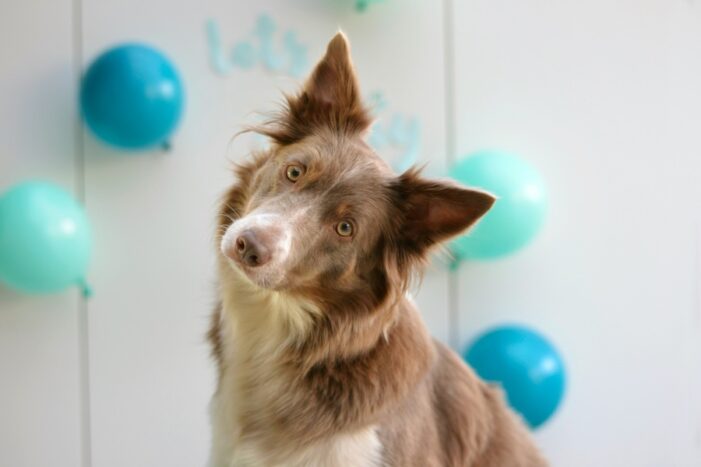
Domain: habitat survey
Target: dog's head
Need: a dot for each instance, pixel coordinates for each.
(321, 216)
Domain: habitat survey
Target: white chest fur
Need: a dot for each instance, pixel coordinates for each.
(245, 341)
(361, 449)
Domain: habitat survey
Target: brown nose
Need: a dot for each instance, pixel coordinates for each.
(250, 250)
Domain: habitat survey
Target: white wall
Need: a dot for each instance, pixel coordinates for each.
(605, 97)
(602, 96)
(40, 373)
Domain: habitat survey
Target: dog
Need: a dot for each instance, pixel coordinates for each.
(322, 359)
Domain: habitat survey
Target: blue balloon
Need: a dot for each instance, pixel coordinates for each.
(132, 97)
(526, 365)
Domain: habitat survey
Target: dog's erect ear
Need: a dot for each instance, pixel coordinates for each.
(329, 99)
(435, 210)
(333, 83)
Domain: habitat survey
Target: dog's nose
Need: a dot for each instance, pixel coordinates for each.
(250, 250)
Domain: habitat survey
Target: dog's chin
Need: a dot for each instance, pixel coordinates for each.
(263, 278)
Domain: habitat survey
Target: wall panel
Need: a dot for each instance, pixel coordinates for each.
(40, 397)
(154, 212)
(600, 96)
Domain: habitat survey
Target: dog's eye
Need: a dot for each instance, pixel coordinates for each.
(294, 172)
(344, 229)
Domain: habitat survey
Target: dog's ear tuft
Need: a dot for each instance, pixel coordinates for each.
(329, 99)
(435, 211)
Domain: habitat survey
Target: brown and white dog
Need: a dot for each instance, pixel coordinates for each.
(322, 359)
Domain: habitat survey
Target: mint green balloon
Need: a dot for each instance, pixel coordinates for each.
(519, 212)
(45, 240)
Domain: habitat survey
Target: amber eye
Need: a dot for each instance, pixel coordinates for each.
(294, 172)
(344, 229)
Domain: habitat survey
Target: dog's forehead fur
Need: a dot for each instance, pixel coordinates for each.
(331, 153)
(343, 177)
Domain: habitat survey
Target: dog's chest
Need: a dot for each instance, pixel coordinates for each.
(230, 449)
(360, 449)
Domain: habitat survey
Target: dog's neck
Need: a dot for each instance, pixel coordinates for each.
(260, 319)
(285, 367)
(253, 309)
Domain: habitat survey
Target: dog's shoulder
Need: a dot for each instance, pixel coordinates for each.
(477, 427)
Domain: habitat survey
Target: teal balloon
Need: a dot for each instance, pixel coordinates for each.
(45, 240)
(519, 212)
(132, 97)
(526, 365)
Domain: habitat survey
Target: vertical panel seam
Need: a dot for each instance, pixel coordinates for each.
(696, 351)
(450, 142)
(83, 322)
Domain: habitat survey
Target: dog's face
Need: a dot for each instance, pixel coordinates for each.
(314, 209)
(321, 215)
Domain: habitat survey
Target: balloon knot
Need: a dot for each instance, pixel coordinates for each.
(454, 263)
(85, 289)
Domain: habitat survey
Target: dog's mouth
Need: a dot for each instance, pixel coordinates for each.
(260, 278)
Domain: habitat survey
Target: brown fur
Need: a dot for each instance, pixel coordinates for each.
(334, 347)
(329, 100)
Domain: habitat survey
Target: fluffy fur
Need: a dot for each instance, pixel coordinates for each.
(322, 360)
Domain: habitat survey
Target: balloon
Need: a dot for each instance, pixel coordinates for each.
(45, 239)
(526, 365)
(519, 212)
(132, 97)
